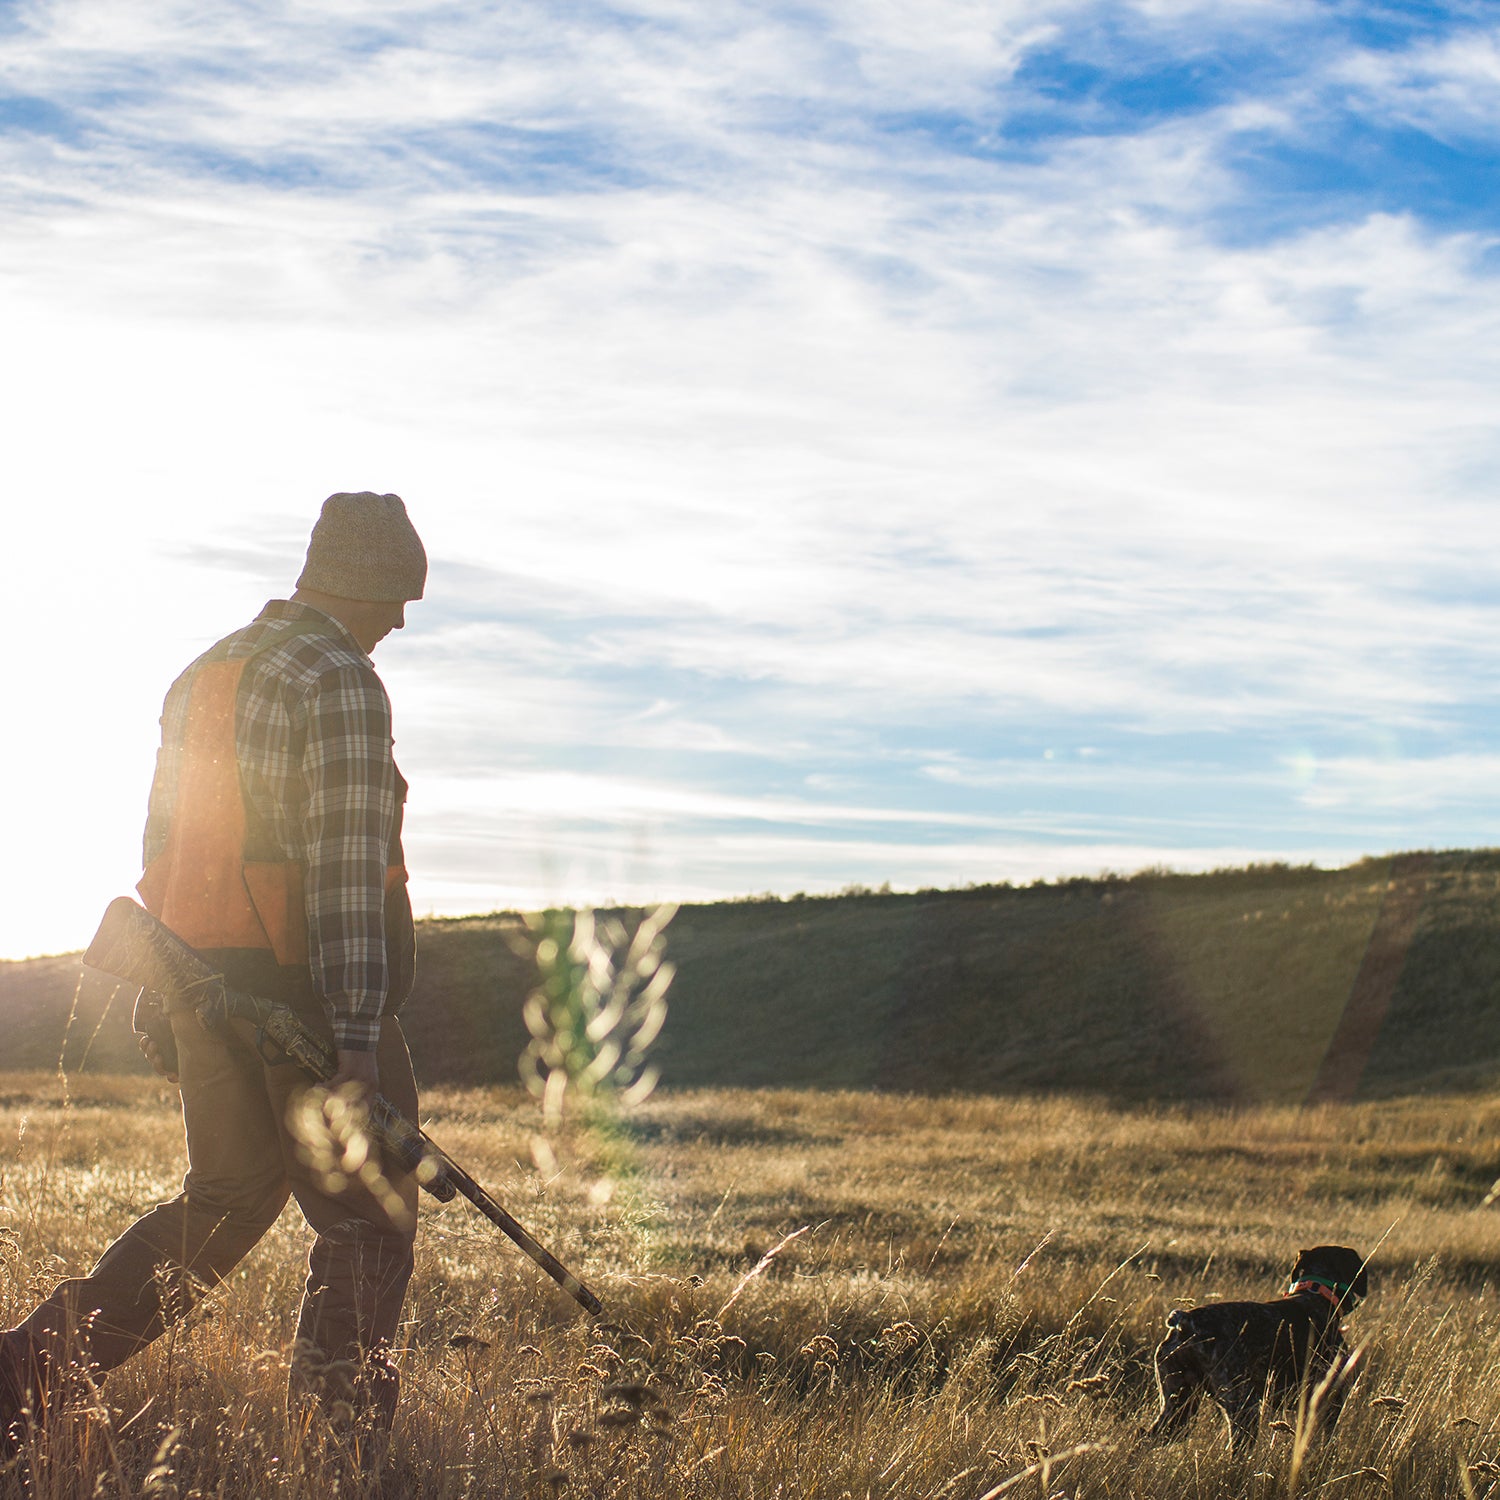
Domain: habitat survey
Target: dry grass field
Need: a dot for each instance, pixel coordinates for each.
(810, 1294)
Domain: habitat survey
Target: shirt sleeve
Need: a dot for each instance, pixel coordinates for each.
(351, 781)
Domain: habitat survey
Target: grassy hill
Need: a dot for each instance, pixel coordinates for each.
(1269, 983)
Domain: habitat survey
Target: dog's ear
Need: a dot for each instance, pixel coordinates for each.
(1351, 1269)
(1310, 1260)
(1359, 1285)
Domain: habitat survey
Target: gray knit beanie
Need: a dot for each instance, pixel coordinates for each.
(364, 547)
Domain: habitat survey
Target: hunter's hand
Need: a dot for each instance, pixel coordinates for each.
(358, 1068)
(152, 1053)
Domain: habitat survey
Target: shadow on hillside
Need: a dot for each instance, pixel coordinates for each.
(1269, 983)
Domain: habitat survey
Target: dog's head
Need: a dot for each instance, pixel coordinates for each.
(1337, 1267)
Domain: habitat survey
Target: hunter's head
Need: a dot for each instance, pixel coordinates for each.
(364, 562)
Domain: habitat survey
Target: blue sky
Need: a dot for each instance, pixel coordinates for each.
(856, 442)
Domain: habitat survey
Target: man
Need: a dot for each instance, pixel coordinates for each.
(273, 845)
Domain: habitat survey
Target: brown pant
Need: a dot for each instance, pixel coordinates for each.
(244, 1159)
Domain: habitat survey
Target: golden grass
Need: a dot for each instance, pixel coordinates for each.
(968, 1311)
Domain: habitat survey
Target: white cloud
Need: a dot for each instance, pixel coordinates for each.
(1396, 783)
(1448, 85)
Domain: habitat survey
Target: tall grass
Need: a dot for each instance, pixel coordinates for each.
(823, 1295)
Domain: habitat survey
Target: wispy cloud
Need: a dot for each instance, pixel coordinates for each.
(1447, 86)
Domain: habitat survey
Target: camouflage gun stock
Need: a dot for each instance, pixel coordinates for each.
(132, 945)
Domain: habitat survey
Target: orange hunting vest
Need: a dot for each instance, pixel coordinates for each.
(220, 881)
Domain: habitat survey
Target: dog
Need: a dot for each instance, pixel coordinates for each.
(1243, 1354)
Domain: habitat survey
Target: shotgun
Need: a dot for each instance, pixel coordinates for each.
(132, 945)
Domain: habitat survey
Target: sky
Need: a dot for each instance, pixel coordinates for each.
(855, 442)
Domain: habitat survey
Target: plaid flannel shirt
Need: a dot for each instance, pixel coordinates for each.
(313, 740)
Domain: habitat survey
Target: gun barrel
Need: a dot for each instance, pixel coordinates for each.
(519, 1236)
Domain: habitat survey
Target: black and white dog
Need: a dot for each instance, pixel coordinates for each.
(1243, 1354)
